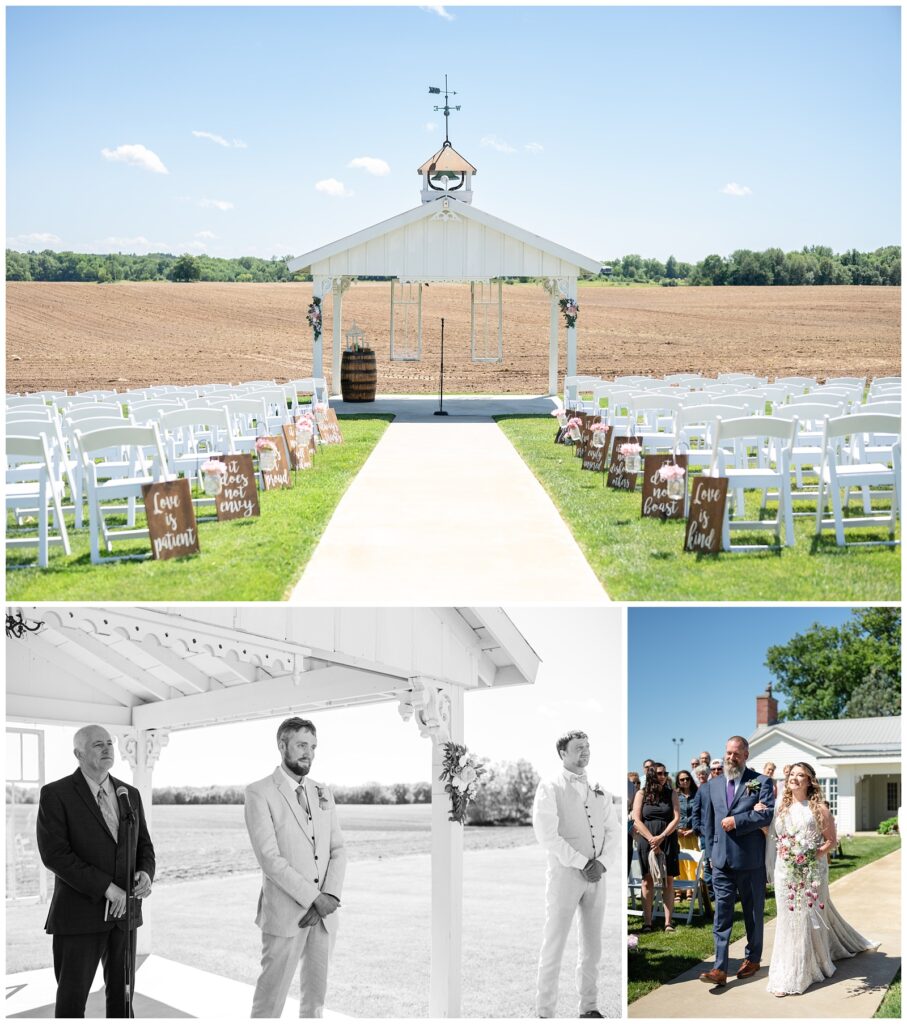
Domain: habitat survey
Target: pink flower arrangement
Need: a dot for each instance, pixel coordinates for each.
(599, 427)
(264, 444)
(631, 448)
(212, 468)
(574, 421)
(671, 471)
(313, 315)
(570, 309)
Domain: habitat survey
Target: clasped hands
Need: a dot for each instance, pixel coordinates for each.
(323, 905)
(593, 871)
(116, 896)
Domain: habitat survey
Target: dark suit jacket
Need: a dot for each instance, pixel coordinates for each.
(743, 848)
(76, 845)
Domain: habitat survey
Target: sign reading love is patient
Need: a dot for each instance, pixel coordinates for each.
(704, 522)
(655, 501)
(171, 519)
(618, 477)
(238, 498)
(278, 477)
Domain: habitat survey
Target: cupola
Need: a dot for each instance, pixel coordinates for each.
(447, 174)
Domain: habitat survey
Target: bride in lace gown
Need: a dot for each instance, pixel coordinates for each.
(809, 932)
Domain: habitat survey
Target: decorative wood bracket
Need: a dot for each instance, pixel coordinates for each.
(429, 705)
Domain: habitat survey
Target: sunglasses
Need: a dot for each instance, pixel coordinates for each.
(661, 773)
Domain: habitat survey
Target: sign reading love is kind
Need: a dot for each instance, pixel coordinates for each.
(655, 501)
(301, 455)
(172, 528)
(618, 477)
(278, 477)
(594, 458)
(708, 498)
(238, 498)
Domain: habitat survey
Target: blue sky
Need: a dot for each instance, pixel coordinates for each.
(708, 692)
(610, 130)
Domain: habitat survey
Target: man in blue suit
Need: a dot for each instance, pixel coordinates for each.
(735, 844)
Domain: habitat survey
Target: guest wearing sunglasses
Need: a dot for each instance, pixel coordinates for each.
(656, 815)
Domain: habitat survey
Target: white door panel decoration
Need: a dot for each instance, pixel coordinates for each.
(406, 321)
(486, 321)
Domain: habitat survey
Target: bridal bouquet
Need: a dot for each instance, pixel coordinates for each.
(797, 851)
(461, 771)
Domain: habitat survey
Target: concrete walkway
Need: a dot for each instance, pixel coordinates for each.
(869, 899)
(446, 512)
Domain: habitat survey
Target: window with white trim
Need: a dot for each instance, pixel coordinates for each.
(830, 792)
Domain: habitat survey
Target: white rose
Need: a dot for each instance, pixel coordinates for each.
(468, 775)
(456, 782)
(464, 760)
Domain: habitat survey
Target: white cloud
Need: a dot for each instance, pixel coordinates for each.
(733, 189)
(431, 126)
(35, 238)
(137, 156)
(137, 244)
(215, 204)
(220, 140)
(332, 187)
(196, 246)
(499, 144)
(534, 147)
(441, 12)
(205, 234)
(372, 164)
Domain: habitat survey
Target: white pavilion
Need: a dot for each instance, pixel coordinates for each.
(445, 239)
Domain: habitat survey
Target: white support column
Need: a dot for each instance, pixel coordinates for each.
(140, 749)
(552, 339)
(571, 332)
(338, 286)
(846, 818)
(439, 716)
(317, 346)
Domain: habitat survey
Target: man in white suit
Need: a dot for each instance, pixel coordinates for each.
(292, 823)
(577, 825)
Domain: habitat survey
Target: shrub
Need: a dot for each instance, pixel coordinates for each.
(888, 826)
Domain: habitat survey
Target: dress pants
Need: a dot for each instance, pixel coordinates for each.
(750, 885)
(568, 893)
(311, 949)
(76, 959)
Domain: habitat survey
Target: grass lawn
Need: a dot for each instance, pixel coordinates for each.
(891, 1004)
(640, 559)
(240, 560)
(660, 958)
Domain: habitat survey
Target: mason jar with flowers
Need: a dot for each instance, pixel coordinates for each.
(212, 475)
(561, 416)
(267, 454)
(575, 428)
(599, 434)
(630, 451)
(673, 477)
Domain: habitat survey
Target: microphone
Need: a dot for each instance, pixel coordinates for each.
(125, 805)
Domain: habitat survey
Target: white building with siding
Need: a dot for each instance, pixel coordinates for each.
(857, 761)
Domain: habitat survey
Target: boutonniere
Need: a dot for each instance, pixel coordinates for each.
(753, 786)
(322, 797)
(597, 790)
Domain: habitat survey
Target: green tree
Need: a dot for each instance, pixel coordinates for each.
(671, 270)
(841, 671)
(186, 268)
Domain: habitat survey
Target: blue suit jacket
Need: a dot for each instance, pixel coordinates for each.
(743, 848)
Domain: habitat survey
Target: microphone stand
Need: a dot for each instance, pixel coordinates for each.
(441, 411)
(129, 966)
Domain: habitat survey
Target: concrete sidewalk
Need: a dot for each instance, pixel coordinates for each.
(446, 512)
(868, 899)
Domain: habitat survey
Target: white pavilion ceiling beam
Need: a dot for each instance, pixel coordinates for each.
(284, 694)
(56, 664)
(178, 663)
(151, 688)
(243, 670)
(501, 627)
(53, 711)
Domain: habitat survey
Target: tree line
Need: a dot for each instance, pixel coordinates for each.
(812, 265)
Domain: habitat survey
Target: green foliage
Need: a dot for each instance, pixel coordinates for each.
(186, 268)
(888, 826)
(505, 795)
(849, 671)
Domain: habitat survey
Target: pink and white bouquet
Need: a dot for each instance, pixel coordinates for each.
(797, 851)
(570, 309)
(461, 771)
(630, 448)
(313, 315)
(671, 471)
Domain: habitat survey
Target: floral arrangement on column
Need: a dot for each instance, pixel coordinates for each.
(313, 315)
(461, 771)
(570, 310)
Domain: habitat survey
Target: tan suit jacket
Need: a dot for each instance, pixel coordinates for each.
(299, 859)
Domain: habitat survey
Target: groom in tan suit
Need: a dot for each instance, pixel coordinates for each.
(292, 823)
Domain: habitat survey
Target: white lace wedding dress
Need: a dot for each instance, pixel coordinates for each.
(808, 938)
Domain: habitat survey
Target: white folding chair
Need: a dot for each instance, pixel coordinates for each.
(649, 416)
(140, 447)
(799, 385)
(190, 436)
(772, 438)
(689, 888)
(63, 469)
(39, 490)
(845, 466)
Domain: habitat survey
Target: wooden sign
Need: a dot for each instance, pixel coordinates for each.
(171, 519)
(655, 501)
(579, 447)
(278, 477)
(328, 427)
(562, 436)
(238, 498)
(618, 477)
(708, 498)
(301, 456)
(596, 458)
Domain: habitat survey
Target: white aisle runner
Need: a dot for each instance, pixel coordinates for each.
(446, 512)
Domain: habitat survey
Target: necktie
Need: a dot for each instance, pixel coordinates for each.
(730, 792)
(303, 799)
(108, 813)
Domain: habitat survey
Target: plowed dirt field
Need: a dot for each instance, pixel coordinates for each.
(83, 336)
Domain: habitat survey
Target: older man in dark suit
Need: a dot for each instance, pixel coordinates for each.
(82, 840)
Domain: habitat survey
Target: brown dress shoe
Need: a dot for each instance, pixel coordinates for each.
(714, 977)
(748, 968)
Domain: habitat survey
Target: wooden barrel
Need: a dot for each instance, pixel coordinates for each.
(358, 376)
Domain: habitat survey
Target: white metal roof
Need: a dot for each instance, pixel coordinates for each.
(160, 667)
(444, 240)
(840, 737)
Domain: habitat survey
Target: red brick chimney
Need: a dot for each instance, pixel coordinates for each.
(766, 708)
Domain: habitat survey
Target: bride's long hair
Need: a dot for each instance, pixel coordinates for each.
(813, 792)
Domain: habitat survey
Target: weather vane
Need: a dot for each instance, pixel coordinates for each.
(435, 90)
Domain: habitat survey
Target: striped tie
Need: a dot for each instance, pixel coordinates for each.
(108, 813)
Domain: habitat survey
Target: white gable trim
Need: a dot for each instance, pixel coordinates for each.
(575, 261)
(775, 732)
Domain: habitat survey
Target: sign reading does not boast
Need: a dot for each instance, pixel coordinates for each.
(708, 498)
(655, 501)
(172, 528)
